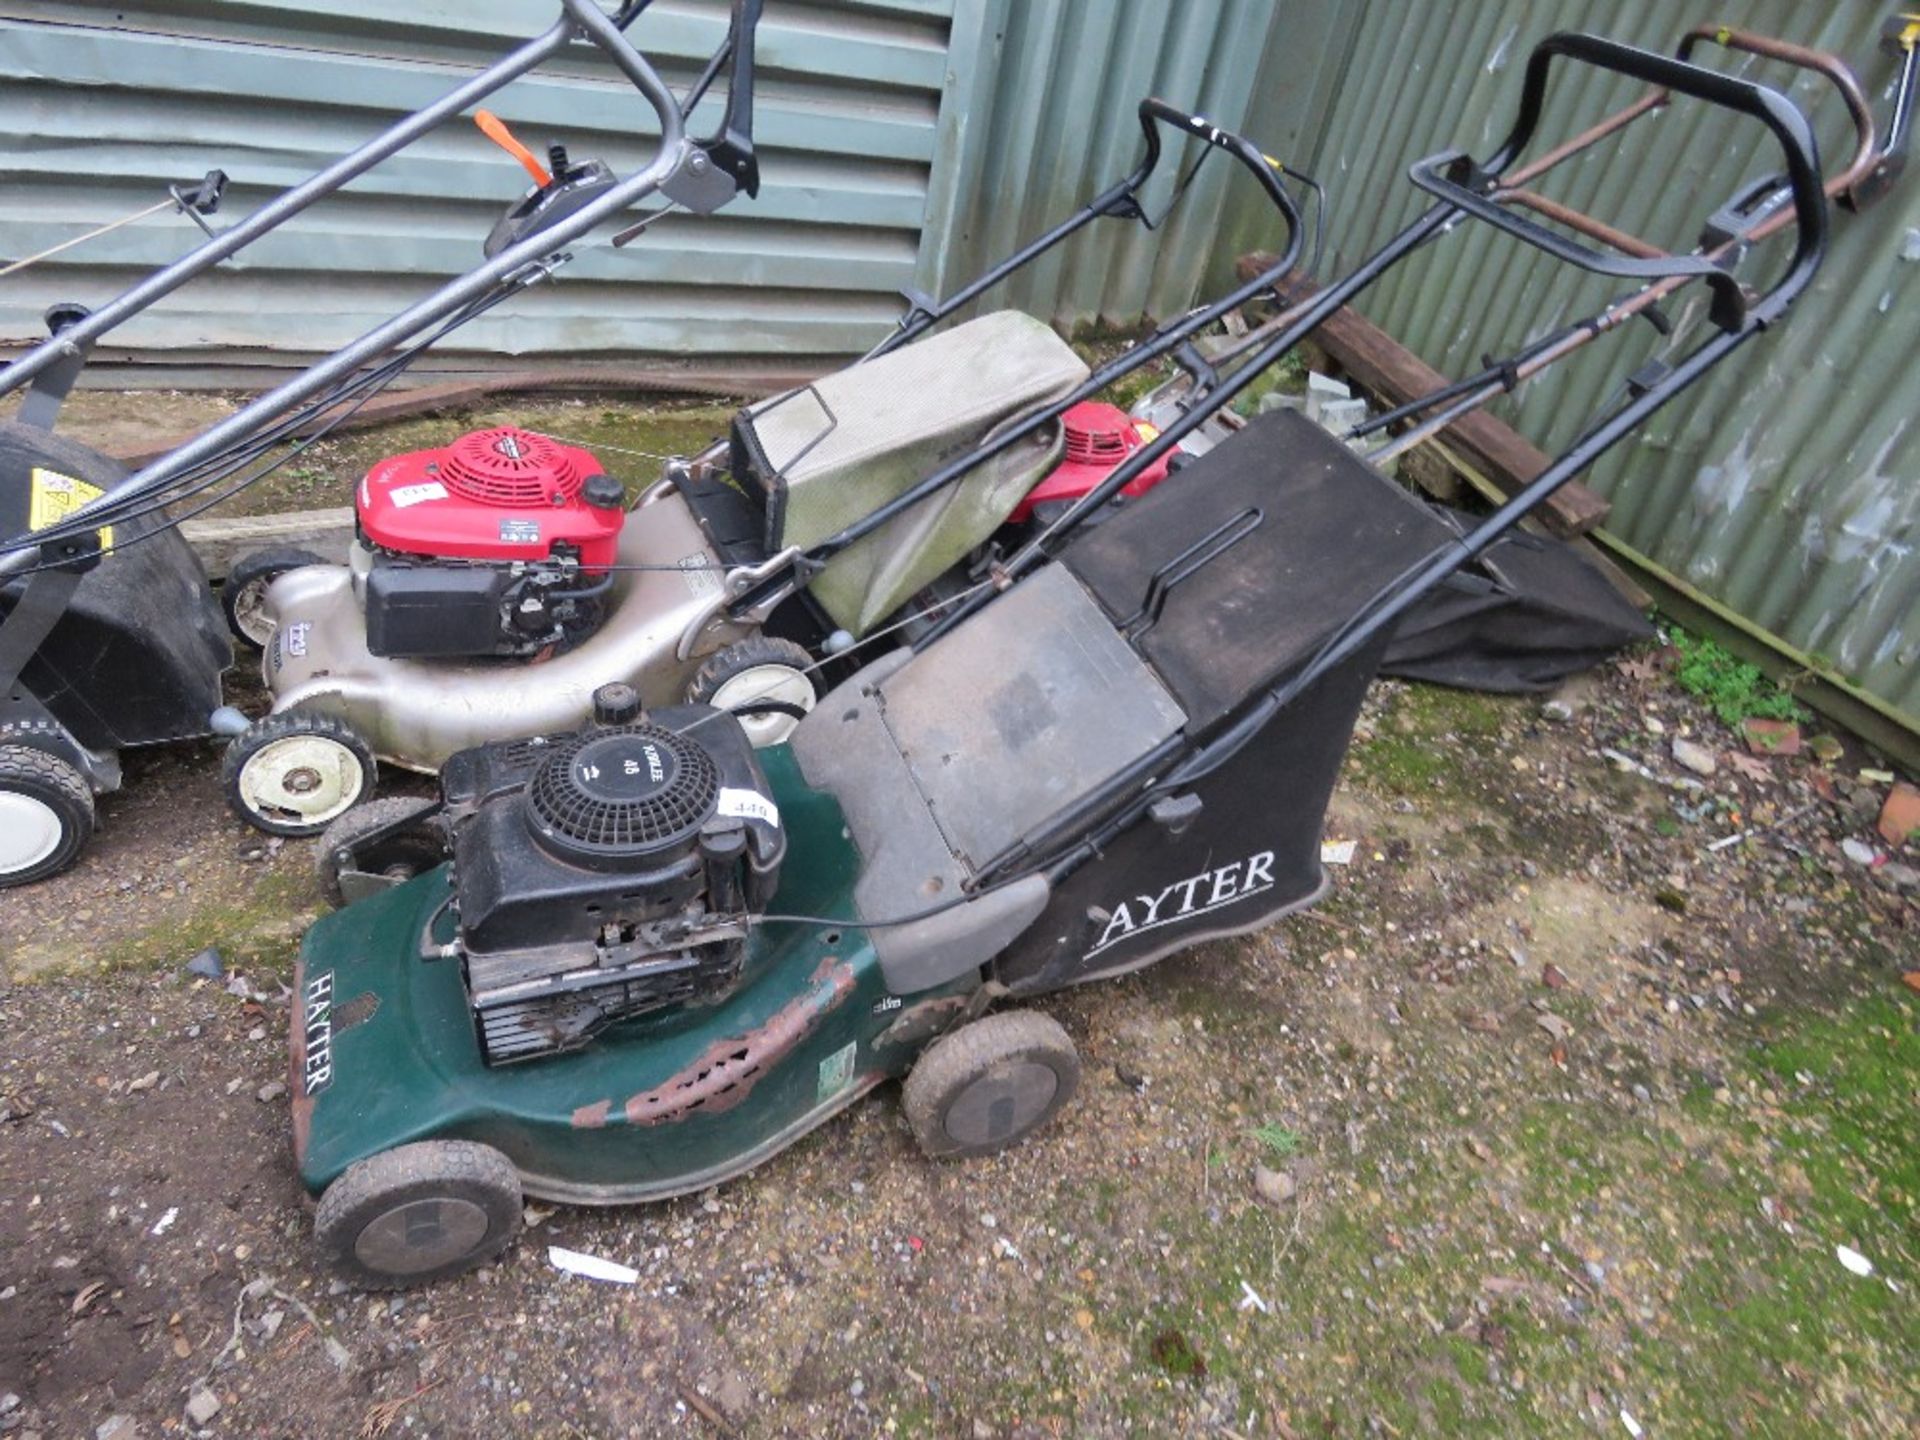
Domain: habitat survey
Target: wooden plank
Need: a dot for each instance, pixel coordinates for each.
(220, 541)
(464, 394)
(1383, 365)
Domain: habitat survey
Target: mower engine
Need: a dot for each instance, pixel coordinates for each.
(1099, 437)
(499, 544)
(606, 873)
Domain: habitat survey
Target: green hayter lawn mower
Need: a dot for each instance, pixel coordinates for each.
(658, 955)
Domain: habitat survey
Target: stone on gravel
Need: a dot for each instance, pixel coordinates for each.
(117, 1427)
(1273, 1187)
(202, 1405)
(1691, 755)
(1900, 816)
(207, 963)
(271, 1091)
(1858, 851)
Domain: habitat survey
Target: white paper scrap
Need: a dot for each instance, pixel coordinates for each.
(1854, 1260)
(746, 805)
(591, 1266)
(403, 496)
(1338, 852)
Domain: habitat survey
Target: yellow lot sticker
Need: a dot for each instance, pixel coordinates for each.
(56, 496)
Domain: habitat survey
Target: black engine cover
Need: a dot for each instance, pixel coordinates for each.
(518, 890)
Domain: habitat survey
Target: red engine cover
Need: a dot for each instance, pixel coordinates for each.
(1100, 437)
(501, 494)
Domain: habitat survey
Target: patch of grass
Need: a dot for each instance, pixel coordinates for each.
(1866, 1067)
(1278, 1141)
(1414, 749)
(1730, 687)
(260, 935)
(1174, 1353)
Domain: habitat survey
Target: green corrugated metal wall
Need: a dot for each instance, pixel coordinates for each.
(1787, 486)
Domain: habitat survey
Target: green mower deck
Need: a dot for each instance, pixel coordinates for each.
(384, 1051)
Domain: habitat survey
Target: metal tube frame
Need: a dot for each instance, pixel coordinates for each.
(1810, 208)
(1789, 128)
(1121, 199)
(766, 592)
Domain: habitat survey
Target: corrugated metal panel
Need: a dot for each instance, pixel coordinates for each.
(1787, 486)
(100, 109)
(1043, 117)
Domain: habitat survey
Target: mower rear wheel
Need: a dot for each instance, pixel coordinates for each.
(46, 815)
(243, 594)
(419, 1213)
(990, 1084)
(399, 857)
(766, 682)
(295, 774)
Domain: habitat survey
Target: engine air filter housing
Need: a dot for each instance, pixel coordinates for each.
(508, 466)
(611, 795)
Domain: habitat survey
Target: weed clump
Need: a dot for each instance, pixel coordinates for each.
(1730, 687)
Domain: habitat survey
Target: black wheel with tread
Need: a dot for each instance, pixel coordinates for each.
(400, 857)
(419, 1213)
(766, 682)
(245, 588)
(46, 815)
(295, 774)
(990, 1084)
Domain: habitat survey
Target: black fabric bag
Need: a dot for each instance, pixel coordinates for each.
(1528, 614)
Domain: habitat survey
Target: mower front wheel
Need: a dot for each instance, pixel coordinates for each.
(990, 1084)
(399, 857)
(295, 774)
(46, 815)
(243, 594)
(766, 683)
(419, 1213)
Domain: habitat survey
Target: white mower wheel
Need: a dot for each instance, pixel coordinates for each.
(756, 672)
(243, 593)
(295, 774)
(46, 814)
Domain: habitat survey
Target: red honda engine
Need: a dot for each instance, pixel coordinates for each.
(1100, 437)
(498, 544)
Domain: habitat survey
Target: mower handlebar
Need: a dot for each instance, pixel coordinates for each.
(1155, 113)
(1471, 186)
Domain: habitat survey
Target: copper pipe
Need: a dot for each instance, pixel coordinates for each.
(1617, 314)
(1579, 220)
(1821, 62)
(1652, 100)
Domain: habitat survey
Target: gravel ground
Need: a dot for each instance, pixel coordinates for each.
(1550, 1121)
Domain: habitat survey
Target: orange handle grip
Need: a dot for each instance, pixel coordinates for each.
(495, 129)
